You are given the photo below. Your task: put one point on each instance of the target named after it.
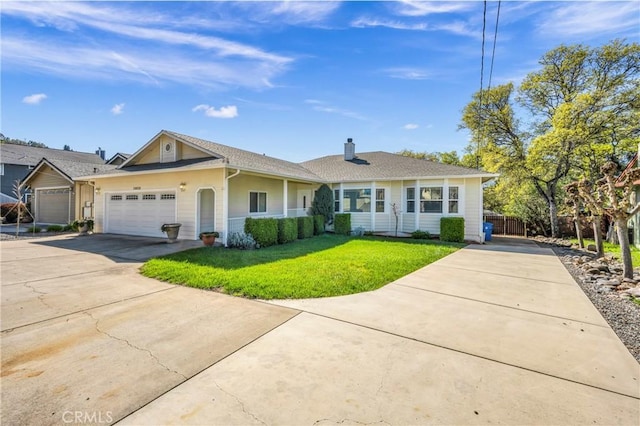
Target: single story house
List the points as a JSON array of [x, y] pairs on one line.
[[209, 186], [17, 161], [58, 196]]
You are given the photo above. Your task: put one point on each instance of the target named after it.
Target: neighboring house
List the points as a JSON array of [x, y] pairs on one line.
[[208, 186], [16, 161], [118, 159], [58, 196]]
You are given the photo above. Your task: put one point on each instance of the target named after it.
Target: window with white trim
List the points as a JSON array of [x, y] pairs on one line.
[[411, 200], [336, 200], [453, 199], [380, 200], [356, 200], [431, 199], [257, 202]]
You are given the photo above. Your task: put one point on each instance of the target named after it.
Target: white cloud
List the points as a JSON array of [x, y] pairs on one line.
[[34, 99], [424, 8], [591, 19], [117, 109], [396, 25], [229, 111], [407, 73], [411, 126], [144, 44], [321, 106], [289, 12]]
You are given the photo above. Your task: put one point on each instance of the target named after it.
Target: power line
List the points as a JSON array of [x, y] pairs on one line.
[[495, 38], [484, 26]]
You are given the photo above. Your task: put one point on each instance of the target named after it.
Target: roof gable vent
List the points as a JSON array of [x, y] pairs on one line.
[[349, 150]]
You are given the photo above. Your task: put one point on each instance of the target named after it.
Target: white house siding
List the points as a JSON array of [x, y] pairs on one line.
[[186, 201], [473, 209]]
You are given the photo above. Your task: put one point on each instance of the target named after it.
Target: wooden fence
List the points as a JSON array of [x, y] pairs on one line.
[[507, 225]]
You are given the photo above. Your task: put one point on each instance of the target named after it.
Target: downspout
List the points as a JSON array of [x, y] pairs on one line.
[[225, 207]]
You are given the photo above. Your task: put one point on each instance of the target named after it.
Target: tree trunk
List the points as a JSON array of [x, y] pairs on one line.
[[553, 216], [625, 250], [597, 235], [579, 232]]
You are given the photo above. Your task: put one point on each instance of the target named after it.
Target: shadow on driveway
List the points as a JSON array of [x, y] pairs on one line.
[[120, 248]]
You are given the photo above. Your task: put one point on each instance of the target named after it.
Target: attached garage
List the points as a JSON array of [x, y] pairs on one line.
[[53, 205], [139, 213]]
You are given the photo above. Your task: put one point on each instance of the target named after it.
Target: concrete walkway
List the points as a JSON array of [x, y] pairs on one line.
[[498, 333], [491, 334]]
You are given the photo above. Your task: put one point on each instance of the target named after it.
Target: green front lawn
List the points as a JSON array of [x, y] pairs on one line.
[[328, 265], [614, 249]]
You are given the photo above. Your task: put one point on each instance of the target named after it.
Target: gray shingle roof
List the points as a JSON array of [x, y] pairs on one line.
[[74, 169], [30, 156], [381, 165], [247, 160]]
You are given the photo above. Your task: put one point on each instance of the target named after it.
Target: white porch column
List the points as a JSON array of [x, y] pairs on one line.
[[373, 206], [417, 204], [445, 197], [285, 197]]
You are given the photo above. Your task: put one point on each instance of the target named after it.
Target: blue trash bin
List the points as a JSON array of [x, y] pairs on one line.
[[487, 227]]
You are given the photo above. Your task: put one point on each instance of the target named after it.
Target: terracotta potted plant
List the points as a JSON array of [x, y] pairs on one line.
[[209, 238], [172, 230]]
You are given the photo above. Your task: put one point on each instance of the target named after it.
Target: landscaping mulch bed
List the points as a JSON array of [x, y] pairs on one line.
[[612, 295]]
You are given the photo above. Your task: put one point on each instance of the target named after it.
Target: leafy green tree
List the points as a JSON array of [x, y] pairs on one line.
[[450, 157], [573, 107], [322, 203]]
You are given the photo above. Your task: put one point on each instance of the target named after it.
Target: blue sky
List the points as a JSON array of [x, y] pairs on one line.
[[290, 79]]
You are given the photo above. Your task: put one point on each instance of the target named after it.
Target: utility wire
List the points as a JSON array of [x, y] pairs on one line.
[[495, 38], [484, 26]]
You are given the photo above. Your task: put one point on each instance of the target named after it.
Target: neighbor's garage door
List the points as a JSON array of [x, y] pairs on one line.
[[140, 213], [53, 205]]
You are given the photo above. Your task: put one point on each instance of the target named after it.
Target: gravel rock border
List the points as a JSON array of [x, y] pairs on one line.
[[612, 295]]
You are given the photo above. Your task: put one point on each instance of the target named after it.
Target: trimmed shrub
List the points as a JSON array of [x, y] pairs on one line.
[[452, 229], [322, 203], [241, 241], [287, 230], [318, 224], [264, 231], [342, 223], [420, 235], [305, 227], [10, 212], [33, 229], [55, 228]]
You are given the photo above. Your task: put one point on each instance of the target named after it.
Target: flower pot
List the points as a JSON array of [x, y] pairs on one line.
[[83, 229], [208, 240], [172, 230]]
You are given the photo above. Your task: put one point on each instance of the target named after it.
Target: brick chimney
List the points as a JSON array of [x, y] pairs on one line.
[[349, 150]]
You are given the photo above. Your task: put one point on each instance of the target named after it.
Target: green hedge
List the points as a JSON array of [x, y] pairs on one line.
[[318, 224], [342, 223], [452, 229], [264, 231], [287, 230], [305, 227]]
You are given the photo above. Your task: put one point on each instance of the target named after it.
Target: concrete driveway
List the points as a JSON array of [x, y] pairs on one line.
[[491, 334]]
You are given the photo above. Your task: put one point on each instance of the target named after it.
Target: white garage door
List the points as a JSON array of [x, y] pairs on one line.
[[53, 205], [140, 213]]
